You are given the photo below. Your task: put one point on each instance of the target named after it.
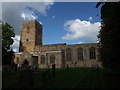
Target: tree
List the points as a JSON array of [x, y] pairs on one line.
[[109, 35], [7, 40]]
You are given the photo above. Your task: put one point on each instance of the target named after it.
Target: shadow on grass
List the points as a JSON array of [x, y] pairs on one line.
[[65, 78]]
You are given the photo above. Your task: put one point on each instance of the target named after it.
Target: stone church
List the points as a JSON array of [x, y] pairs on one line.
[[38, 55]]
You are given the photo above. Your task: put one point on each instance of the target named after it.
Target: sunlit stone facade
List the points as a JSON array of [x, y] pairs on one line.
[[62, 55]]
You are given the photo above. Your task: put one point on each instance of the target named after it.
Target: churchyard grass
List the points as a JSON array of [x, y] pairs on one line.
[[68, 78]]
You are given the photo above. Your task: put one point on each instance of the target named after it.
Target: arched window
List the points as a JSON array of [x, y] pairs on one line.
[[26, 62], [42, 59], [52, 59], [35, 60], [80, 53], [92, 53], [68, 54]]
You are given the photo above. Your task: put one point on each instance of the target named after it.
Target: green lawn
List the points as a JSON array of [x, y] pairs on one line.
[[68, 78]]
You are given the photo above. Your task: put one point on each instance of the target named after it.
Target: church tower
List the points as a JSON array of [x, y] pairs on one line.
[[31, 35]]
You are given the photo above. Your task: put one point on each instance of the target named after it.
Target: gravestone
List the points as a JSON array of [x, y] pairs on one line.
[[93, 68], [48, 73], [15, 67], [67, 66], [53, 70], [97, 67]]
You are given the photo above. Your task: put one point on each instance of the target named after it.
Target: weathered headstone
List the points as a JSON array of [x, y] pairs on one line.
[[48, 73], [97, 67], [93, 68], [67, 66], [53, 70]]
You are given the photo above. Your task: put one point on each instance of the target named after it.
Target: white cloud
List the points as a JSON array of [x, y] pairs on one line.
[[29, 15], [23, 15], [81, 42], [16, 43], [14, 13], [77, 29], [53, 17], [90, 18], [40, 23]]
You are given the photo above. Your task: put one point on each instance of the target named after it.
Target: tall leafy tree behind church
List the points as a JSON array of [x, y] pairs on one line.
[[109, 35], [7, 40]]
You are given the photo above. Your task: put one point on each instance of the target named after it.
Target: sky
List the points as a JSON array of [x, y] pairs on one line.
[[63, 22]]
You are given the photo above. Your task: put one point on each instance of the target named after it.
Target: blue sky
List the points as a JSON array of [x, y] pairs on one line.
[[53, 28], [63, 22]]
